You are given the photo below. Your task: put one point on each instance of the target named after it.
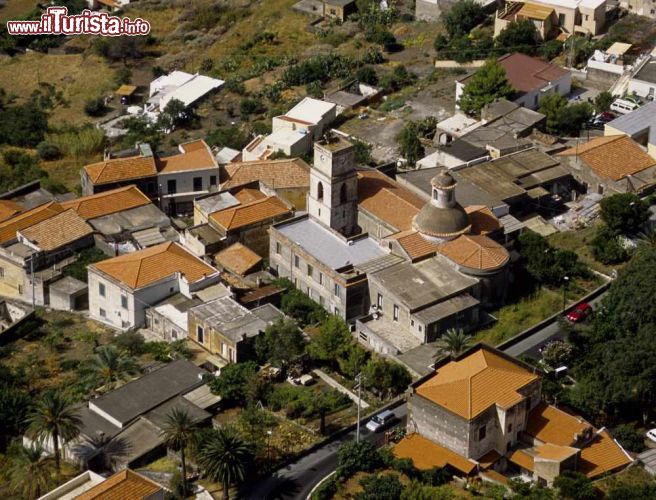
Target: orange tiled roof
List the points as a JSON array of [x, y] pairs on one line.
[[122, 485], [237, 258], [250, 213], [613, 157], [414, 244], [121, 169], [495, 476], [475, 252], [470, 385], [9, 208], [276, 174], [603, 454], [57, 231], [246, 195], [483, 221], [28, 218], [387, 199], [489, 459], [195, 155], [108, 202], [549, 451], [426, 454], [144, 267], [521, 458], [549, 424]]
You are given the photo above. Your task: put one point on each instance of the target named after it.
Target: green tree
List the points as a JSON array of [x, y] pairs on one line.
[[176, 114], [410, 145], [557, 353], [354, 457], [632, 491], [607, 248], [123, 75], [384, 377], [380, 487], [228, 136], [224, 458], [282, 342], [552, 106], [352, 360], [486, 85], [109, 367], [250, 106], [624, 213], [462, 17], [367, 74], [603, 101], [629, 437], [330, 342], [572, 485], [131, 342], [551, 49], [518, 36], [29, 471], [14, 406], [453, 343], [179, 433], [417, 490], [232, 383], [545, 263], [53, 419]]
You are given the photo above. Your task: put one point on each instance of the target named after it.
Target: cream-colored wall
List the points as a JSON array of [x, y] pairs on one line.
[[13, 278]]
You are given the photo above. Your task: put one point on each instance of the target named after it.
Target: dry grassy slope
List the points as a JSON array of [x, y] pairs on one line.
[[16, 8]]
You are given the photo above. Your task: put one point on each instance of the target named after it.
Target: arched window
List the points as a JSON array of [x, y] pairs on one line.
[[342, 194], [320, 191]]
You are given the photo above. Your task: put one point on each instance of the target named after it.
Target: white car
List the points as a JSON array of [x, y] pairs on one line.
[[651, 434], [380, 421]]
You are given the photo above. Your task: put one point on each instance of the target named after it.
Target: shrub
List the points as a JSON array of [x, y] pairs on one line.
[[354, 457], [367, 74], [629, 437], [249, 106], [606, 247], [48, 151], [95, 107]]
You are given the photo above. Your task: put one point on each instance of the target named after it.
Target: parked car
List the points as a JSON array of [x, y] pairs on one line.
[[380, 421], [651, 434], [580, 312]]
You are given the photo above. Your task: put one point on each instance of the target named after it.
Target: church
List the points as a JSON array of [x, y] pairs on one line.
[[400, 268]]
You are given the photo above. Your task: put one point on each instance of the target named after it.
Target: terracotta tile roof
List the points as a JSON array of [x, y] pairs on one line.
[[483, 221], [521, 458], [26, 219], [470, 385], [260, 293], [496, 476], [238, 259], [144, 267], [250, 213], [246, 195], [195, 155], [603, 454], [475, 252], [489, 459], [426, 454], [275, 174], [122, 485], [108, 202], [414, 244], [549, 424], [526, 73], [57, 231], [388, 200], [121, 169], [9, 208], [612, 157], [555, 452]]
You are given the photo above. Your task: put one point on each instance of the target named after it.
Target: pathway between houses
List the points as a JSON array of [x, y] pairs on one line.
[[336, 385]]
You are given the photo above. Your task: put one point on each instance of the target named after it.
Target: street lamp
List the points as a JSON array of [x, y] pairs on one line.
[[358, 379], [566, 281], [269, 432]]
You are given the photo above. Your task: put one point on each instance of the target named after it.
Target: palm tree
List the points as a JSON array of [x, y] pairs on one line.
[[110, 367], [103, 452], [53, 418], [453, 343], [29, 471], [179, 433], [224, 456], [648, 236]]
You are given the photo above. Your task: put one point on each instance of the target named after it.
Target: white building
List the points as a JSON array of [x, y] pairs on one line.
[[184, 87], [311, 115], [286, 141], [121, 288]]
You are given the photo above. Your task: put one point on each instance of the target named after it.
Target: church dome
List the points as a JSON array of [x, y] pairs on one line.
[[442, 218]]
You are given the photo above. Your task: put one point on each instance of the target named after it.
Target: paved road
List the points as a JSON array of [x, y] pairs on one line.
[[297, 479]]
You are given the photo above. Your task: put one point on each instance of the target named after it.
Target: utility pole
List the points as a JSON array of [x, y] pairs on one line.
[[32, 280], [358, 379], [566, 282]]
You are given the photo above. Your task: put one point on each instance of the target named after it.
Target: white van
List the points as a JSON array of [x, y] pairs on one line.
[[623, 106]]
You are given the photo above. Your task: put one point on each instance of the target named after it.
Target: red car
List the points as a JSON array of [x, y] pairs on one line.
[[580, 312]]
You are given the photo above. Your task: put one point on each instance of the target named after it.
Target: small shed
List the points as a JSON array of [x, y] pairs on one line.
[[125, 93], [68, 294], [338, 9], [648, 458]]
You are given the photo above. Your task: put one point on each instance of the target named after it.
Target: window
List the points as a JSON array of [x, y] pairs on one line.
[[321, 300], [200, 334], [310, 270], [212, 180], [509, 427], [363, 336], [171, 186], [150, 187], [320, 191], [336, 311], [419, 328], [342, 194], [102, 312], [2, 272], [321, 278], [561, 19], [482, 433], [124, 301], [198, 183], [379, 300], [20, 289], [395, 316], [336, 290], [278, 247], [101, 289], [412, 322], [296, 261], [174, 334]]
